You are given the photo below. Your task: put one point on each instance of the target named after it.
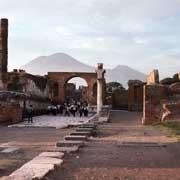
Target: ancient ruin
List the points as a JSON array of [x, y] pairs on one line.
[[20, 89]]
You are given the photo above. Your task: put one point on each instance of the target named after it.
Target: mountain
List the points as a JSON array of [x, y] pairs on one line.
[[55, 63], [123, 73], [61, 62]]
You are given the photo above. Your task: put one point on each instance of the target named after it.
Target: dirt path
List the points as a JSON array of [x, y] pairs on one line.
[[105, 157]]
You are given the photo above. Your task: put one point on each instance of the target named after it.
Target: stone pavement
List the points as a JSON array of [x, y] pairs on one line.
[[123, 149], [53, 121]]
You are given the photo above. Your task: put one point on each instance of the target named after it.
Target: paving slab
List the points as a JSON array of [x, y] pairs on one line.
[[52, 154], [76, 138], [69, 143]]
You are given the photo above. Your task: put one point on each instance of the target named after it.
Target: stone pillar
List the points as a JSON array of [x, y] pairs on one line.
[[3, 51], [100, 79]]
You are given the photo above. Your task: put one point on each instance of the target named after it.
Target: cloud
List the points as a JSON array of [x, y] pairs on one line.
[[130, 32]]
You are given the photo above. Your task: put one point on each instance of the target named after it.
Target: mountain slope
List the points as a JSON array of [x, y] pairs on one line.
[[55, 63], [123, 73], [61, 62]]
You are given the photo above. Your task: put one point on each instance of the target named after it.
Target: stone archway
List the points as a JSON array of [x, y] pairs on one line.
[[61, 78]]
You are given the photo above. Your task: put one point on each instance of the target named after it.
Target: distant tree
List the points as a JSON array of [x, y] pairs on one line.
[[169, 80], [111, 86]]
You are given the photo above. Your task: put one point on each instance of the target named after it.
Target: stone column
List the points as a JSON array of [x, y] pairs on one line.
[[3, 50], [100, 79]]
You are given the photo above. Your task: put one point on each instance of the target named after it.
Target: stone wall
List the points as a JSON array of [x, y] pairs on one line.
[[21, 81], [135, 95], [120, 99], [153, 77], [152, 108], [171, 112], [10, 115]]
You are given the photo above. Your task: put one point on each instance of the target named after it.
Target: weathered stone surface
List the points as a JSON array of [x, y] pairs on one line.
[[153, 77], [88, 126], [45, 160], [10, 150], [171, 112], [68, 149], [69, 143], [60, 78], [81, 133], [76, 138], [52, 154], [152, 110], [84, 129], [36, 169], [135, 95]]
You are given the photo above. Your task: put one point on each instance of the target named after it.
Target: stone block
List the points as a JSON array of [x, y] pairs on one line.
[[69, 143], [68, 149], [153, 77], [75, 138], [81, 133], [84, 129], [10, 150], [52, 154]]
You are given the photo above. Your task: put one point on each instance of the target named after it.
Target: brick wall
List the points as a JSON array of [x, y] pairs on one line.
[[171, 112], [152, 108], [10, 115]]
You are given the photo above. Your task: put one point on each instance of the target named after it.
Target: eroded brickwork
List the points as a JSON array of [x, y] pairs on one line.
[[135, 95], [153, 77], [10, 114]]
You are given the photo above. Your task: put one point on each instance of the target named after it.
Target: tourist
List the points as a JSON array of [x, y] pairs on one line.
[[30, 114], [67, 110], [81, 111], [85, 111]]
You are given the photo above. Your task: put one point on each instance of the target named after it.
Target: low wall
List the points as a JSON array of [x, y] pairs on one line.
[[171, 112], [10, 115]]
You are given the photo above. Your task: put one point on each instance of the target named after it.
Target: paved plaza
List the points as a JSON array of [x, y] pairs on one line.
[[53, 121]]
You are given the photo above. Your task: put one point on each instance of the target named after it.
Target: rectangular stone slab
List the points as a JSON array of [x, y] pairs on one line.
[[69, 143], [76, 138], [88, 126], [52, 154], [81, 133]]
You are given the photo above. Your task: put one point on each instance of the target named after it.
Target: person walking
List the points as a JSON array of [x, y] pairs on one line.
[[30, 114]]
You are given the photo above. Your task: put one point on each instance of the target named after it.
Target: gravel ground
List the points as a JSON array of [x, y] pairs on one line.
[[104, 157]]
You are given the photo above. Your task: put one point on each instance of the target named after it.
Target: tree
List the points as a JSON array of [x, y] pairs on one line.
[[111, 86], [169, 80]]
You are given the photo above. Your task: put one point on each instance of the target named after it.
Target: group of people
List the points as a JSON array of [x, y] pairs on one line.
[[67, 109]]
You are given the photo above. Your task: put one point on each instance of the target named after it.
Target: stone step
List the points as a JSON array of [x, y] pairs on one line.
[[88, 126], [68, 149], [81, 133], [69, 143], [75, 138], [37, 168], [84, 129], [52, 154]]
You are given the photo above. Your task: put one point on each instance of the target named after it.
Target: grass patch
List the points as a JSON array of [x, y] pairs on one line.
[[173, 128]]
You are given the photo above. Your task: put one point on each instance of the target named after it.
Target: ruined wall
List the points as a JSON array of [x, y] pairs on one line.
[[152, 107], [23, 82], [135, 95], [171, 112], [153, 77], [10, 115], [120, 99], [3, 51]]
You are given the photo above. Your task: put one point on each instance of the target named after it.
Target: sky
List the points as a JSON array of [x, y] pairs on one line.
[[143, 34]]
